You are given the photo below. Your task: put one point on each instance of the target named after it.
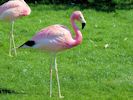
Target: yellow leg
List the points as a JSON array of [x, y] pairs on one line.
[[57, 77], [51, 78], [10, 47], [12, 41], [14, 47]]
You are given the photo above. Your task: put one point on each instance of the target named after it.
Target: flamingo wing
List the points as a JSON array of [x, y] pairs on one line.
[[53, 38]]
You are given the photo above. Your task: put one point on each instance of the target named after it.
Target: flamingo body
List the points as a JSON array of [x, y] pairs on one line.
[[54, 38]]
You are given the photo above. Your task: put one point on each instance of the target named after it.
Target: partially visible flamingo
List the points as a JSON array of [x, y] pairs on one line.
[[10, 11], [57, 38]]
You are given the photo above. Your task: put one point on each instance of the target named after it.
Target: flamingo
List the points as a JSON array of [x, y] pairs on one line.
[[10, 11], [56, 38]]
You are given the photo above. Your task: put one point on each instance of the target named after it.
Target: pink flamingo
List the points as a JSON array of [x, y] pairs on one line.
[[10, 11], [57, 38]]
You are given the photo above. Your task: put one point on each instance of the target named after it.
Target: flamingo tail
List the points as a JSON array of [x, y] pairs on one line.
[[27, 44]]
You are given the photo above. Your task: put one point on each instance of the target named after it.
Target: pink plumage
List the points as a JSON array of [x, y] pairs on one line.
[[14, 9], [57, 38], [10, 11], [53, 38]]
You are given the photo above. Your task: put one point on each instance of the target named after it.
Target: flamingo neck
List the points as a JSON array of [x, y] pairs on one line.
[[78, 37]]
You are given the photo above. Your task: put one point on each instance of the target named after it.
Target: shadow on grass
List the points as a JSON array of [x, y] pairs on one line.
[[7, 91]]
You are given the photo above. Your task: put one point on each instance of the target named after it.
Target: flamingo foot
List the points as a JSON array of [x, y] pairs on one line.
[[50, 95], [60, 96], [10, 55]]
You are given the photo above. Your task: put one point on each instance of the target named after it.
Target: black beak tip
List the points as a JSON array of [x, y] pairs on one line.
[[83, 25]]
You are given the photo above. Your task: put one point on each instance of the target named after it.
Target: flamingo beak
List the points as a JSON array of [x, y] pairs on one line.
[[83, 25], [83, 22]]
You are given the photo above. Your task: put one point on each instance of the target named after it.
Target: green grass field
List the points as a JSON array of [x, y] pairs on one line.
[[87, 72]]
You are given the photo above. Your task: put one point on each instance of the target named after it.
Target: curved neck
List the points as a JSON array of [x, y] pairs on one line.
[[78, 37]]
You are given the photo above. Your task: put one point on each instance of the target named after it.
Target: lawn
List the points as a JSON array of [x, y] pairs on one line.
[[89, 71]]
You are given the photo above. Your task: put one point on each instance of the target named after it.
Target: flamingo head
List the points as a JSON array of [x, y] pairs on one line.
[[77, 15]]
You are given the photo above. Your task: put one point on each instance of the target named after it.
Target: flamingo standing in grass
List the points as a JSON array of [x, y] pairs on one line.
[[57, 38], [10, 11]]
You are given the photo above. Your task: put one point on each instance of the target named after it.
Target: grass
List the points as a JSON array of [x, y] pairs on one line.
[[87, 72]]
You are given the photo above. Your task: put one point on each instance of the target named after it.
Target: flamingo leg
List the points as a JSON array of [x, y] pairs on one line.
[[12, 40], [12, 36], [57, 77], [51, 78], [10, 47]]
